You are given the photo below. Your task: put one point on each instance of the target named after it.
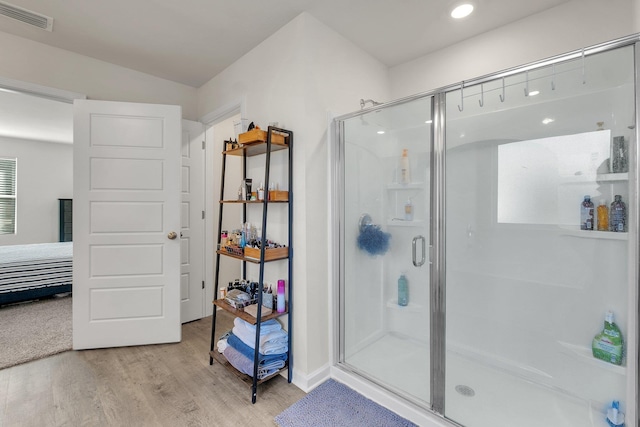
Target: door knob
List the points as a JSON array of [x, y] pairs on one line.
[[172, 235]]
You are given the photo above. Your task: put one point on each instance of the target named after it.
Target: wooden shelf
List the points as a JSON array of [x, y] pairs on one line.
[[246, 316], [253, 260], [256, 149], [245, 378], [249, 202]]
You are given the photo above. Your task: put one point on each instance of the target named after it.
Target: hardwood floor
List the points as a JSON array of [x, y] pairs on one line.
[[157, 385]]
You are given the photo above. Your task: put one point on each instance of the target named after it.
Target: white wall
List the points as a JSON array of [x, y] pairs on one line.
[[306, 71], [34, 62], [45, 174], [570, 26]]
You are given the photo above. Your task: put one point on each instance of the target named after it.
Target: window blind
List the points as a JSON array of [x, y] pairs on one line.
[[7, 196]]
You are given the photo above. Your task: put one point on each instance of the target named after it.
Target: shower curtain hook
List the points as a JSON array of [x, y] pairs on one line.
[[461, 105], [502, 97], [553, 77], [481, 100], [526, 89], [583, 76]]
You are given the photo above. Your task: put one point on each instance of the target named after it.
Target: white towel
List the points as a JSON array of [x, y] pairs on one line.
[[265, 327], [222, 344]]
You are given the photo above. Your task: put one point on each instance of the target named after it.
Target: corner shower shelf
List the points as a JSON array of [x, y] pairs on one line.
[[603, 177], [411, 186], [403, 223], [585, 355], [393, 304], [588, 234]]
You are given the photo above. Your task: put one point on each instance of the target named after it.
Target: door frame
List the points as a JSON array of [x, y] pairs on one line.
[[210, 119]]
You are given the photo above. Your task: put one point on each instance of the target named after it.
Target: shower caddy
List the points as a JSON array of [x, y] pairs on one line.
[[276, 139]]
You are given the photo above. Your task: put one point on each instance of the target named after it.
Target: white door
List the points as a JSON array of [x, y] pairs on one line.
[[192, 289], [126, 275]]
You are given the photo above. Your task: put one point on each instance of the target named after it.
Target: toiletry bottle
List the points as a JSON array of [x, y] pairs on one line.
[[586, 214], [261, 191], [618, 215], [280, 303], [408, 210], [615, 417], [603, 216], [405, 172], [608, 344], [403, 291]]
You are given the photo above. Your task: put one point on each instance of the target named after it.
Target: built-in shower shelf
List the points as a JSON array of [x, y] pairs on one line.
[[604, 177], [403, 223], [585, 355], [411, 186], [409, 307], [588, 234]]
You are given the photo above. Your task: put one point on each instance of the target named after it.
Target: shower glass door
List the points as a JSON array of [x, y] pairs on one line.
[[384, 233], [526, 288]]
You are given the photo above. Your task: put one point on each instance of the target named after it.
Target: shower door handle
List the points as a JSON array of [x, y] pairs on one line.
[[414, 251]]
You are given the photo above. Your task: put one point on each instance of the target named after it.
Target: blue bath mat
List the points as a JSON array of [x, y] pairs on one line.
[[333, 404]]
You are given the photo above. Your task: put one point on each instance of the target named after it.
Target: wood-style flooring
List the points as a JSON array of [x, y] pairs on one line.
[[155, 385]]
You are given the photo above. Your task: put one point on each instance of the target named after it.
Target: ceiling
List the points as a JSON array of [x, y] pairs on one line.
[[190, 42]]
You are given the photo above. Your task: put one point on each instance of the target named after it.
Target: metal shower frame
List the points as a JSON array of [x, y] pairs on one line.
[[437, 249]]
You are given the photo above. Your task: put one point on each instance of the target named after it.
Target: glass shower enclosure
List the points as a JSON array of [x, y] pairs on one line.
[[385, 319], [480, 248]]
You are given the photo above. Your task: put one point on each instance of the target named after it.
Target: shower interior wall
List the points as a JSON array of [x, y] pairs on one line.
[[374, 187], [529, 298]]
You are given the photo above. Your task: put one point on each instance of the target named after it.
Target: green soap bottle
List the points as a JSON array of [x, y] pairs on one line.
[[608, 344]]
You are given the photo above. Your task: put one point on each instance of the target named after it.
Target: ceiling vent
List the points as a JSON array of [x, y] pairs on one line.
[[23, 15]]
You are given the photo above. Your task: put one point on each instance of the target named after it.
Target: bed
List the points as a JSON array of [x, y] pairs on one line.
[[35, 271]]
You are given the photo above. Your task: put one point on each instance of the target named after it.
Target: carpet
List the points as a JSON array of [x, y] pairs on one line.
[[334, 404], [33, 330]]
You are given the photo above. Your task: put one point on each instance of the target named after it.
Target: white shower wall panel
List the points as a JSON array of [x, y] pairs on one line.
[[527, 298], [364, 284]]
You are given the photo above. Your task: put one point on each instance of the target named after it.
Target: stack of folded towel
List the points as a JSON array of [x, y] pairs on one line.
[[238, 347]]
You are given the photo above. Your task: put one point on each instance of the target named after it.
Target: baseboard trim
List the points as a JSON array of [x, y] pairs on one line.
[[308, 382]]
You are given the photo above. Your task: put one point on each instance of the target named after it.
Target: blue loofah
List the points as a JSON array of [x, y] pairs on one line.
[[373, 240]]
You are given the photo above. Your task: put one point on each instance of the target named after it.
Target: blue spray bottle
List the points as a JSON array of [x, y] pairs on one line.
[[403, 291]]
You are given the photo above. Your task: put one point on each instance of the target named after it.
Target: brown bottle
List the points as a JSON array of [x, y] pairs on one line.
[[603, 216]]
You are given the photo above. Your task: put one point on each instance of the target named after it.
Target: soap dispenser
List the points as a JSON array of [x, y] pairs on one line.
[[403, 291]]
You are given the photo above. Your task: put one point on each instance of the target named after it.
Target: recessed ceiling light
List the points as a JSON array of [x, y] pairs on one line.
[[534, 93], [462, 10], [380, 132], [429, 121], [547, 121]]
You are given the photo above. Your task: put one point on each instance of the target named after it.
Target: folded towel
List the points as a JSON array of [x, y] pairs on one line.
[[245, 365], [222, 344], [245, 350], [270, 343], [273, 339], [222, 341], [265, 327]]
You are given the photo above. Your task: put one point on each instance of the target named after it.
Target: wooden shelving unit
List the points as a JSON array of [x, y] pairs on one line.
[[276, 140]]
